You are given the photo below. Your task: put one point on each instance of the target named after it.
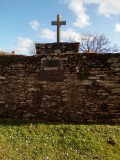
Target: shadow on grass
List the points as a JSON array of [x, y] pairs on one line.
[[27, 122]]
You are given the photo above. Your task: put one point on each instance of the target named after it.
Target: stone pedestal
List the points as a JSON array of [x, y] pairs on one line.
[[57, 48]]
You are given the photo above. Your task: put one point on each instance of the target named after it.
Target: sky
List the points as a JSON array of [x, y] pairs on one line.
[[26, 22]]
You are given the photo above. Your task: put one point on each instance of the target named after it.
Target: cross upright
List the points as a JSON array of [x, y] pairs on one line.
[[58, 23]]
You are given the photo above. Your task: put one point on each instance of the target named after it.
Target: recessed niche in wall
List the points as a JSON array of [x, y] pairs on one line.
[[51, 69]]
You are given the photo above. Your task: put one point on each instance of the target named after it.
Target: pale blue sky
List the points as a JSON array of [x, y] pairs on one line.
[[23, 22]]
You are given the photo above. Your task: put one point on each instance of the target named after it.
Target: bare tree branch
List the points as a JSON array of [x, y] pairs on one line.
[[96, 43]]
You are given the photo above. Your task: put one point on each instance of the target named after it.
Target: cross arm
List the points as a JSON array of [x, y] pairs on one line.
[[56, 23], [63, 23]]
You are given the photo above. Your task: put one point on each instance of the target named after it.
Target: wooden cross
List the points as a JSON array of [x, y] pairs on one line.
[[58, 23]]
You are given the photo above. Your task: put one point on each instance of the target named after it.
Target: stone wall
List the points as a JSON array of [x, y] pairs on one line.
[[89, 91], [57, 48]]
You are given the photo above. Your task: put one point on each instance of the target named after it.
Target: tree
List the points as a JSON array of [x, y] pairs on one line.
[[97, 43]]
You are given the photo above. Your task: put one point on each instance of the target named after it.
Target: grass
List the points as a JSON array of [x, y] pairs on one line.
[[34, 141], [2, 53]]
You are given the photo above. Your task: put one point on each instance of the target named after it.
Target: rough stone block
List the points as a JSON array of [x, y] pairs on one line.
[[2, 78]]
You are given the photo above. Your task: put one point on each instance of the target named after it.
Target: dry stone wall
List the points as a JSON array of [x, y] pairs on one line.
[[88, 93], [57, 48]]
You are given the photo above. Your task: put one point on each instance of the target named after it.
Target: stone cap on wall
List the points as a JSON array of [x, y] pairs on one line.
[[63, 47]]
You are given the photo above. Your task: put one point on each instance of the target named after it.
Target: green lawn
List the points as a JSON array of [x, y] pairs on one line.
[[30, 141]]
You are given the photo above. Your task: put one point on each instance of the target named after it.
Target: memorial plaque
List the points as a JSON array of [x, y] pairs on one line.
[[51, 63], [52, 75], [51, 70]]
